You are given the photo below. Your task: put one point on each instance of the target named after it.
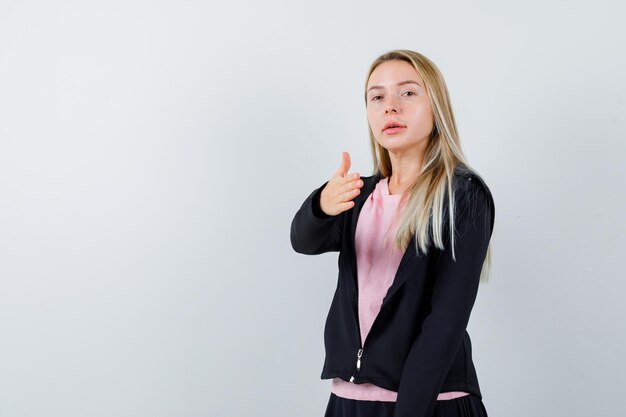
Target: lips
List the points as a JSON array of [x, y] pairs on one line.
[[393, 126]]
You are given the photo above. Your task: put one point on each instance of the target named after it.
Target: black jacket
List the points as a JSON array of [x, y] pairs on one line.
[[418, 344]]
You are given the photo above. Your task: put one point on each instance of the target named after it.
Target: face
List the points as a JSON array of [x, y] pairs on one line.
[[396, 95]]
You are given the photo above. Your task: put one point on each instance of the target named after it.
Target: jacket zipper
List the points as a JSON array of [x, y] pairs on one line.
[[359, 353]]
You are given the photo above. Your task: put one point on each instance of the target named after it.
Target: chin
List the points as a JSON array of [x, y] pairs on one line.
[[393, 144], [394, 148], [401, 148]]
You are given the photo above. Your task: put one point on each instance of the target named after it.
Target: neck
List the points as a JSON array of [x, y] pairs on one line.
[[405, 169]]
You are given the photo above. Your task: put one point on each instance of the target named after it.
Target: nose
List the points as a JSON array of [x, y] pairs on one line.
[[392, 106]]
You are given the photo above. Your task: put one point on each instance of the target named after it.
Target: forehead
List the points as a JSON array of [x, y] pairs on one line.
[[392, 72]]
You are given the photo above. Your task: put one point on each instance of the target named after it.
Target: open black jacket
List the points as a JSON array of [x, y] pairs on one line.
[[418, 344]]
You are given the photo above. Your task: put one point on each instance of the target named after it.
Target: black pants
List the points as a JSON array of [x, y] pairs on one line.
[[466, 406]]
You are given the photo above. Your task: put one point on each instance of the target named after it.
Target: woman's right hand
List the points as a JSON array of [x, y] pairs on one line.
[[341, 189]]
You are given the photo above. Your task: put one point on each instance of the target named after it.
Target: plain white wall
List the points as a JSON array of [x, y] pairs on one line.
[[152, 155]]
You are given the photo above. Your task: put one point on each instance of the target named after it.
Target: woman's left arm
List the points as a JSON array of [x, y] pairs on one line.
[[454, 292]]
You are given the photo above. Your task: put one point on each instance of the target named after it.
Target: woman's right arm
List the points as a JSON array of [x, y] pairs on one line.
[[317, 226], [313, 231]]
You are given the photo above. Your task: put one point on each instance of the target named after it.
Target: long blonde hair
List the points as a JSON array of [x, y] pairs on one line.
[[425, 209]]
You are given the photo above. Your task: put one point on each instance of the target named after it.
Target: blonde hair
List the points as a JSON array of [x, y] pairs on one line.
[[425, 209]]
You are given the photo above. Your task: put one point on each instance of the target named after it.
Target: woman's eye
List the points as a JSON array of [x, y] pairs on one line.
[[375, 98], [410, 92]]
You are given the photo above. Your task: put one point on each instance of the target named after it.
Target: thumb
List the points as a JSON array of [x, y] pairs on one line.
[[345, 165]]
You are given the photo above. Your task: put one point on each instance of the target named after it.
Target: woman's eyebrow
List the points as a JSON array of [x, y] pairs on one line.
[[399, 84]]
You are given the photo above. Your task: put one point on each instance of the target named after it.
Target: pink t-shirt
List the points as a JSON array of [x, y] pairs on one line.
[[377, 263]]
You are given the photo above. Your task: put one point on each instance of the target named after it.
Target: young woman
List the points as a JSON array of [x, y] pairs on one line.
[[418, 232]]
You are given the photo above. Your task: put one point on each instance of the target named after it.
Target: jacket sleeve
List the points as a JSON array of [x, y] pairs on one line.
[[454, 292], [313, 231]]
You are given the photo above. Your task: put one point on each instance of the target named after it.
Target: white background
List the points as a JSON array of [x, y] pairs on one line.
[[153, 154]]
